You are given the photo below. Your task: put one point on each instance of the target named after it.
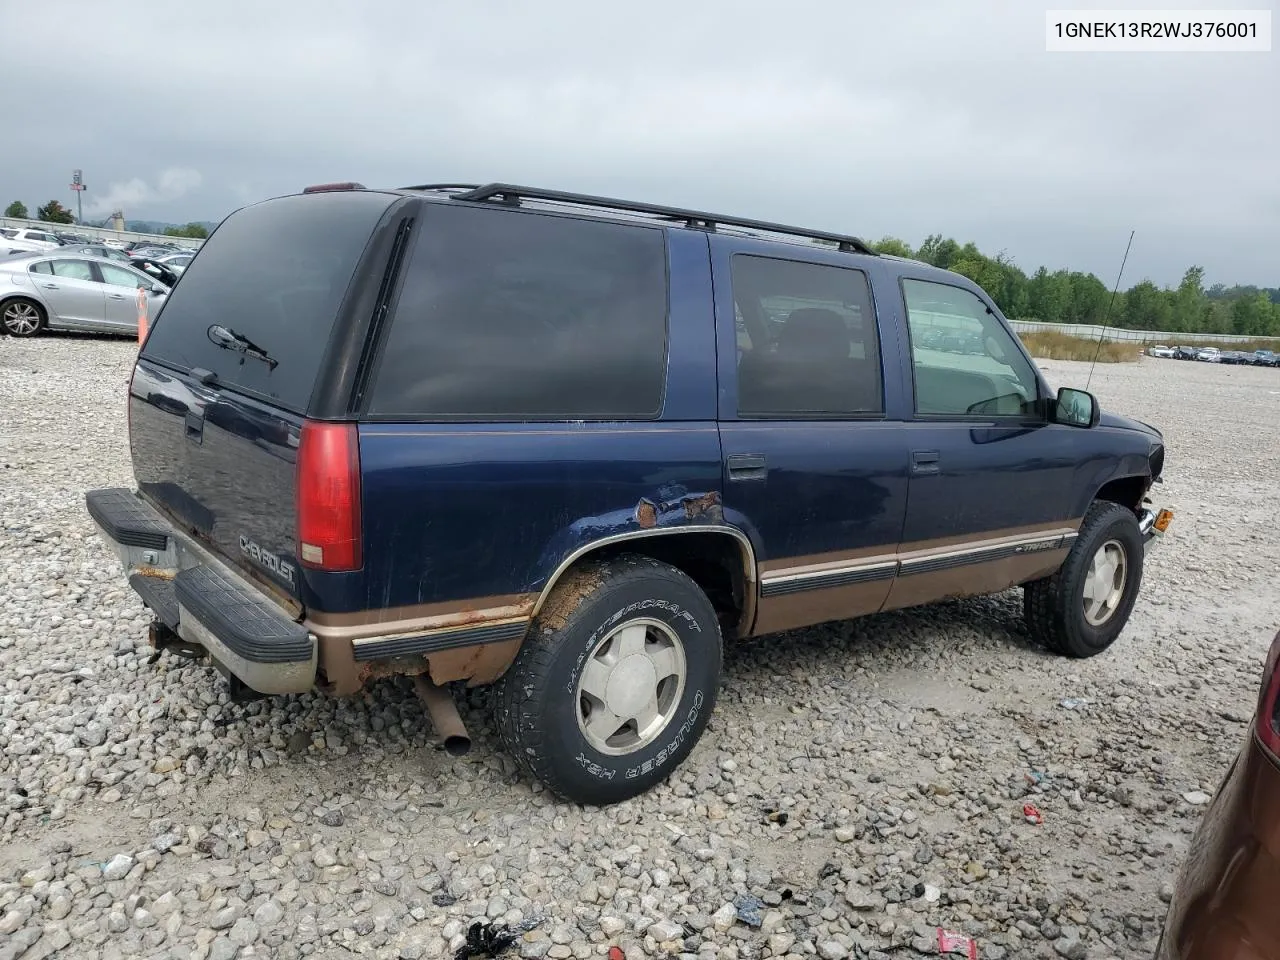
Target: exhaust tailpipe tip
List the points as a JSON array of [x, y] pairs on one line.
[[450, 730], [457, 746]]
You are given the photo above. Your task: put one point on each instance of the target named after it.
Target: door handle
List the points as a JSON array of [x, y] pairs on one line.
[[49, 286], [116, 296], [747, 466], [924, 463]]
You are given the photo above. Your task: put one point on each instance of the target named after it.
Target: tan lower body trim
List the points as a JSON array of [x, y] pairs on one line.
[[419, 618], [834, 586], [794, 610], [973, 579], [473, 640]]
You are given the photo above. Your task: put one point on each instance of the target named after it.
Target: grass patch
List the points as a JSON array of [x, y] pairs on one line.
[[1051, 345]]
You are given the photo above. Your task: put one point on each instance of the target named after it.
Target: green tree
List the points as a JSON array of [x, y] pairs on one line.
[[192, 231], [984, 272], [893, 247], [1049, 295], [1088, 298], [939, 252], [17, 210], [1252, 315], [1189, 301], [54, 212], [1147, 307]]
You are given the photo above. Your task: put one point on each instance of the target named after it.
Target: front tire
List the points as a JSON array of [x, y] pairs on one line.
[[22, 318], [615, 683], [1081, 610]]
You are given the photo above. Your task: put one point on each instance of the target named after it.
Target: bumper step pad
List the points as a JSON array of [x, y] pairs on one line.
[[126, 519], [249, 624], [158, 594]]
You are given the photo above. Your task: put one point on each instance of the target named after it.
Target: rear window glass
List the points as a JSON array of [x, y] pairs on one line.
[[275, 275], [510, 315]]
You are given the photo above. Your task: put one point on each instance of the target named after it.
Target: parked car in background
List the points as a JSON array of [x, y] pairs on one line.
[[60, 291], [44, 238], [155, 269], [1224, 903], [97, 250], [346, 466], [1265, 358], [177, 262], [16, 240], [67, 239], [1160, 350], [1234, 357], [151, 248], [1209, 354], [1186, 353]]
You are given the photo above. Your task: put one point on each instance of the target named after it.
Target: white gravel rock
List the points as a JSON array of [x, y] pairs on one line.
[[142, 813]]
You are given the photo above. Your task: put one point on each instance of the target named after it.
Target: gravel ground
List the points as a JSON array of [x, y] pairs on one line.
[[864, 781]]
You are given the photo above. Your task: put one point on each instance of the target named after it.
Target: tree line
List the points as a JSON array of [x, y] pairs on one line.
[[1063, 296], [1069, 296]]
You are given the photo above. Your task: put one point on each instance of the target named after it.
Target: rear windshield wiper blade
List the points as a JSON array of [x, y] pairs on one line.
[[228, 339]]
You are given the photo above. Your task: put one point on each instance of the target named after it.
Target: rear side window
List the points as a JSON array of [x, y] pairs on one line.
[[73, 270], [807, 340], [274, 275], [511, 315]]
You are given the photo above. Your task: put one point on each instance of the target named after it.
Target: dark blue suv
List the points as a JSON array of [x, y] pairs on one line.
[[573, 445]]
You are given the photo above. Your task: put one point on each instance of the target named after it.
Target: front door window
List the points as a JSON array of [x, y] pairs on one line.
[[966, 363]]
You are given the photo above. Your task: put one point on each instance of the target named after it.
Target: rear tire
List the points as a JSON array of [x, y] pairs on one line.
[[1080, 610], [615, 682], [22, 318]]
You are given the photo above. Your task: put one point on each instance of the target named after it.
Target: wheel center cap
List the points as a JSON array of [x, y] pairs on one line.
[[631, 683]]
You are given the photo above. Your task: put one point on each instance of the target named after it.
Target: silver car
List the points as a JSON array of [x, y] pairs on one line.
[[177, 262], [71, 291]]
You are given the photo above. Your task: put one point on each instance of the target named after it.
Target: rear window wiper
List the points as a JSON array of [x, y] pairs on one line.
[[228, 339]]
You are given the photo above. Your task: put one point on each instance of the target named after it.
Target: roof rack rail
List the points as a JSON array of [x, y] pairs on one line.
[[512, 194], [443, 186]]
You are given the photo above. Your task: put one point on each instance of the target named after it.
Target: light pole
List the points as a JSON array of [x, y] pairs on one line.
[[77, 184]]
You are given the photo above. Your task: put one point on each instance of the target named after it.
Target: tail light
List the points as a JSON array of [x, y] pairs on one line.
[[328, 500], [1266, 720]]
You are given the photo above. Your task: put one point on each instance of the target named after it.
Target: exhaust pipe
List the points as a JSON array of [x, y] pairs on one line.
[[444, 716]]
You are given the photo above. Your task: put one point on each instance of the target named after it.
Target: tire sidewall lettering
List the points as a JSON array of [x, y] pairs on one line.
[[675, 737]]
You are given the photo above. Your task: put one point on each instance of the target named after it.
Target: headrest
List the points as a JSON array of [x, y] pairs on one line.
[[814, 332]]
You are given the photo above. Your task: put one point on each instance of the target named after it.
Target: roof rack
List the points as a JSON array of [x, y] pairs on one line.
[[512, 194], [443, 186]]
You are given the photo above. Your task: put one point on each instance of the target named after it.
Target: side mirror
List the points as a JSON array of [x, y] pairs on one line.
[[157, 289], [1076, 408]]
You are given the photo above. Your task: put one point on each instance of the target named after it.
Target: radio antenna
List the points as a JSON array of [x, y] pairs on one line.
[[1106, 317]]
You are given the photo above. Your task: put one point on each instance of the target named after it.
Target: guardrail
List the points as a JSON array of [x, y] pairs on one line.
[[1092, 332], [98, 233]]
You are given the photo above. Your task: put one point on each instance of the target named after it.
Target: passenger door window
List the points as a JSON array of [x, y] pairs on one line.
[[119, 277], [808, 343], [966, 363]]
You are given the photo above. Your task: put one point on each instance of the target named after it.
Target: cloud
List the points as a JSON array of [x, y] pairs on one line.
[[904, 119], [173, 183]]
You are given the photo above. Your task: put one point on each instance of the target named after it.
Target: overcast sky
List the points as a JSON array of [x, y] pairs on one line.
[[869, 118]]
